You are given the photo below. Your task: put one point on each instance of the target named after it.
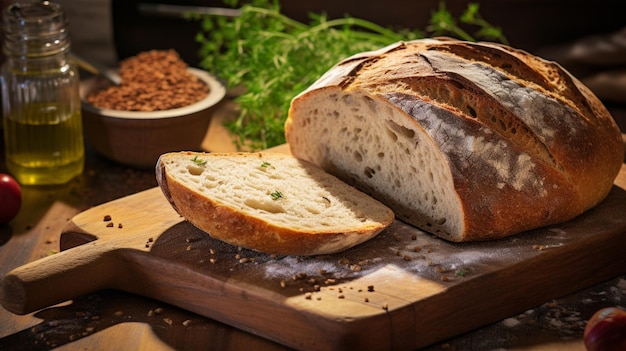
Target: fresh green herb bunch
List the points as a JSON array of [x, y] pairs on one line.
[[273, 57]]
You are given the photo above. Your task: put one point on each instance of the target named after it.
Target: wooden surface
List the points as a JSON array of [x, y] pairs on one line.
[[425, 290]]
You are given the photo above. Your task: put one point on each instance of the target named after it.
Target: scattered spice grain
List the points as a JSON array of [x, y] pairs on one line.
[[355, 267]]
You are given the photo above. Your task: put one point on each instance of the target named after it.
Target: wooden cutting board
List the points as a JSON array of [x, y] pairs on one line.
[[403, 289]]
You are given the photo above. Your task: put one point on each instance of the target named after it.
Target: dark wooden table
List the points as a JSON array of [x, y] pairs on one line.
[[114, 320]]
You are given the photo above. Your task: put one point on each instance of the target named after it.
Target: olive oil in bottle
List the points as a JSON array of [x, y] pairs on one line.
[[40, 99], [44, 148]]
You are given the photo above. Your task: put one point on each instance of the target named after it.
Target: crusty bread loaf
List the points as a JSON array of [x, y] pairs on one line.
[[469, 141], [269, 202]]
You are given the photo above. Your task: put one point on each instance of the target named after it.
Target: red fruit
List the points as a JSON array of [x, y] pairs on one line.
[[606, 330], [10, 198]]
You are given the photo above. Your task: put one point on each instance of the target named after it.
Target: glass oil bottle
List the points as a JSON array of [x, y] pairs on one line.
[[40, 96]]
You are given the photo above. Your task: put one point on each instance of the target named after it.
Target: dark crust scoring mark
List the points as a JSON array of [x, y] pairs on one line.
[[495, 57], [509, 61], [365, 60], [349, 78]]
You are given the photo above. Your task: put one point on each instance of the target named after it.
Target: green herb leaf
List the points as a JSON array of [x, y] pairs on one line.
[[198, 161], [463, 272], [486, 30], [276, 195], [443, 23]]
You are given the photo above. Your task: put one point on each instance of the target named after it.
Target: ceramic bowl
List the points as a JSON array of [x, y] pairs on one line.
[[137, 138]]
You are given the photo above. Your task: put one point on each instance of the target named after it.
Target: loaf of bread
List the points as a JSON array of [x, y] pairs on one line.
[[269, 202], [469, 141]]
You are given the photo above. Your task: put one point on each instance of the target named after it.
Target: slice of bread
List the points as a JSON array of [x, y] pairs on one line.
[[269, 202]]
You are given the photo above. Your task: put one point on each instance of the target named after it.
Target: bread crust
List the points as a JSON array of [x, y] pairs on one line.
[[224, 222], [520, 107]]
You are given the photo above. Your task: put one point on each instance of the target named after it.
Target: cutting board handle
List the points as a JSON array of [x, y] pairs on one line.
[[59, 277]]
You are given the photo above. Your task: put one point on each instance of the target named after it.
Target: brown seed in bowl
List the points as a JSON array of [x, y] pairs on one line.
[[151, 81]]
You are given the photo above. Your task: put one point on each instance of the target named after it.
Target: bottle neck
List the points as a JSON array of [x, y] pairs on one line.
[[35, 31], [37, 63]]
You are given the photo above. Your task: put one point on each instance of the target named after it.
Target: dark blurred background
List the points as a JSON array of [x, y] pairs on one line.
[[528, 24], [586, 37]]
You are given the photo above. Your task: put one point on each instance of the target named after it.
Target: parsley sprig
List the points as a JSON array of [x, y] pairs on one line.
[[443, 23], [273, 57], [198, 161], [276, 195]]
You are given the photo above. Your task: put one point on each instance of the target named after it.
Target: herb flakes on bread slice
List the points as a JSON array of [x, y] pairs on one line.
[[269, 202]]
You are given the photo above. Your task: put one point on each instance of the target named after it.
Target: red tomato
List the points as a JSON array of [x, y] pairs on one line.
[[10, 198], [606, 330]]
